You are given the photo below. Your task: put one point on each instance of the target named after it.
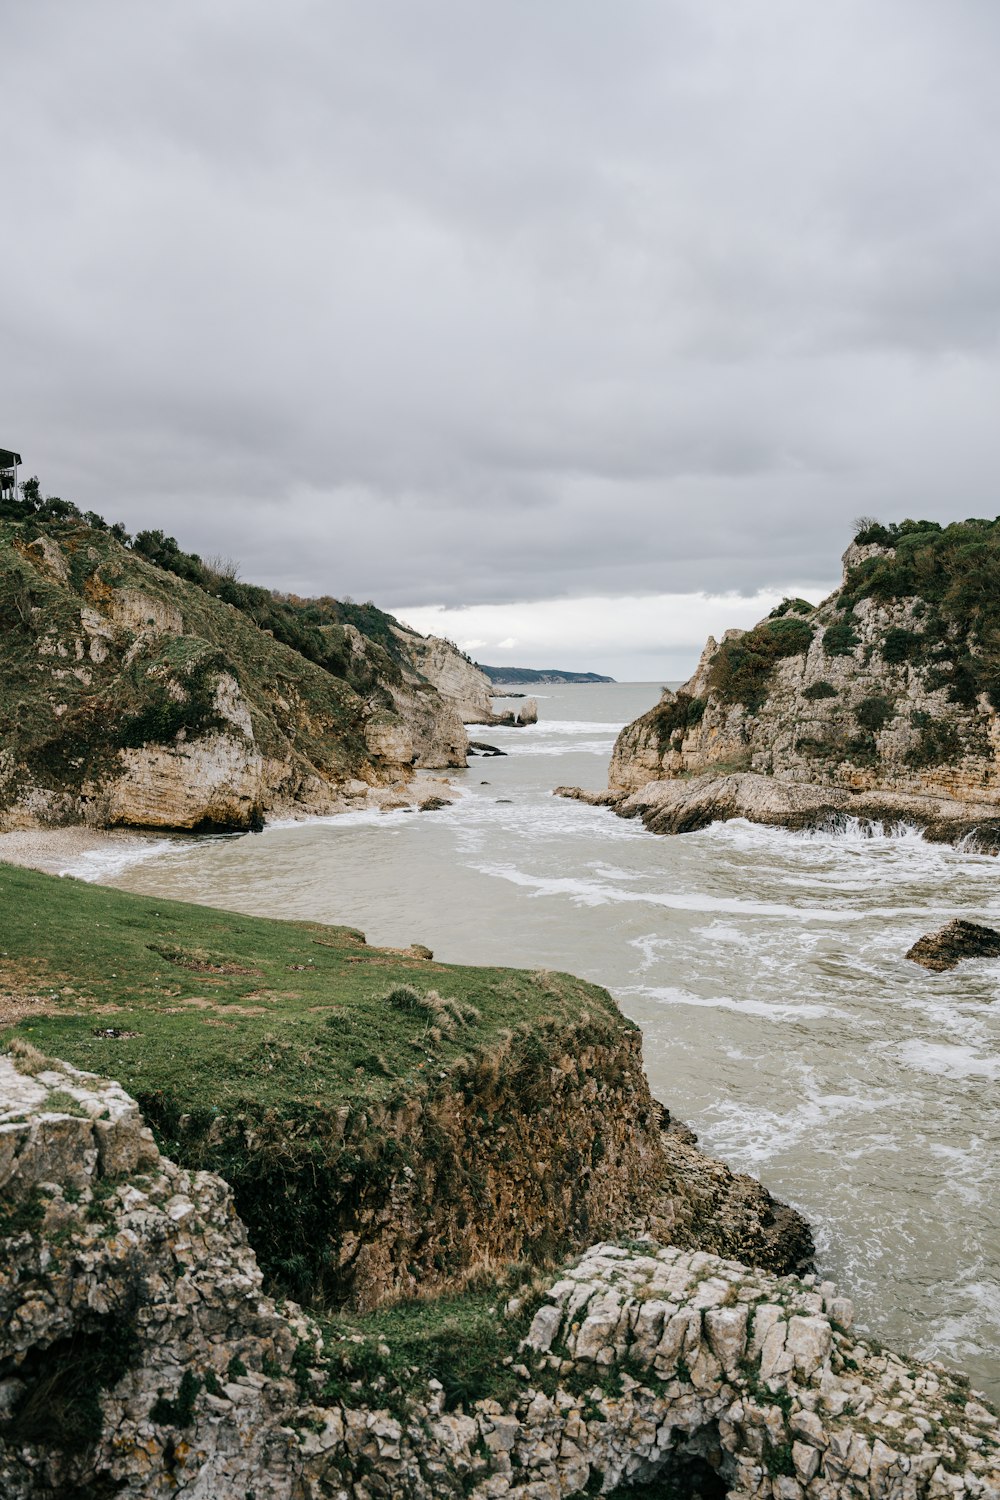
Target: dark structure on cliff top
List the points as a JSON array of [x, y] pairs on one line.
[[9, 464]]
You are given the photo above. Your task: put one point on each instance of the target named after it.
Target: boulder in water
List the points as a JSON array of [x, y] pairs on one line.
[[953, 943], [528, 712]]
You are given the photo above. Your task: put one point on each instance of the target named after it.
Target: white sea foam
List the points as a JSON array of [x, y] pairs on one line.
[[113, 859], [763, 1009], [946, 1060]]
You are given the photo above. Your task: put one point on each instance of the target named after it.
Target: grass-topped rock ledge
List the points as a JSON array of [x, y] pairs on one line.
[[140, 1357], [388, 1124], [882, 702]]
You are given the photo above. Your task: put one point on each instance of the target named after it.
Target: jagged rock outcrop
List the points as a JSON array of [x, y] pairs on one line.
[[701, 1204], [881, 702], [139, 1358], [134, 696], [954, 943]]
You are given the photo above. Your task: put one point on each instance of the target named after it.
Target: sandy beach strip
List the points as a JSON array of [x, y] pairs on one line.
[[65, 851]]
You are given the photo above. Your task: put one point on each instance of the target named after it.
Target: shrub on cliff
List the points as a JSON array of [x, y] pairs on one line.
[[874, 713], [839, 639], [791, 607], [955, 571], [680, 713], [741, 668], [902, 645]]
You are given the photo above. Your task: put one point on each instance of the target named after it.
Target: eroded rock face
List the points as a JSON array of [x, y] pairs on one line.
[[862, 709], [459, 682], [685, 805], [953, 943], [139, 1357]]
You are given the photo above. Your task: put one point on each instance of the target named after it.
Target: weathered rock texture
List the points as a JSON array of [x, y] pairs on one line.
[[701, 1204], [139, 1358], [132, 696], [873, 704], [459, 681], [534, 1147], [954, 942]]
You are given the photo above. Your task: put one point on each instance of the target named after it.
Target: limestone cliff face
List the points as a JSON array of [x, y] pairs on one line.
[[458, 681], [132, 696], [140, 1358], [877, 701]]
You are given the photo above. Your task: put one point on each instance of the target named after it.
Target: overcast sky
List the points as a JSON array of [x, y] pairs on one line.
[[530, 319]]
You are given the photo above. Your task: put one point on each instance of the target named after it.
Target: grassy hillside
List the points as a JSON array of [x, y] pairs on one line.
[[108, 648], [229, 1012]]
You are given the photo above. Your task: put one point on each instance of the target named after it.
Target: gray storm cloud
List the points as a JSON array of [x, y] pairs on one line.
[[448, 303]]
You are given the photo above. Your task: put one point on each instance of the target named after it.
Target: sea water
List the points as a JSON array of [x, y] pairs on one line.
[[765, 968]]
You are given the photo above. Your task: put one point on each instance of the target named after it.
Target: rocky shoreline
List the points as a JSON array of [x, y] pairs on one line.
[[139, 1357], [684, 805]]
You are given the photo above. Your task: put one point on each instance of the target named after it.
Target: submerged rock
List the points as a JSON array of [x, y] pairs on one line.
[[954, 942]]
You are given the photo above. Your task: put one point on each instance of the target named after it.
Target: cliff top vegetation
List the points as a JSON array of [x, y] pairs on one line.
[[315, 1074], [312, 627], [954, 573], [216, 1011]]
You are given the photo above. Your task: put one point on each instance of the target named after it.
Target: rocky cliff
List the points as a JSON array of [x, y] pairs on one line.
[[139, 1357], [459, 681], [142, 688], [880, 702]]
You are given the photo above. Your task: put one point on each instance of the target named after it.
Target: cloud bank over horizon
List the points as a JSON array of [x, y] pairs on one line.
[[644, 639], [455, 306]]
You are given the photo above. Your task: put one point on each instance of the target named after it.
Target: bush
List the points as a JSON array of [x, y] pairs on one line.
[[839, 639], [874, 712], [902, 645], [791, 606], [817, 690], [678, 714], [741, 668], [939, 741]]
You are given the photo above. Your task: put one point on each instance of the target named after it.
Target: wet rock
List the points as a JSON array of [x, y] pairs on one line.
[[479, 747], [954, 942]]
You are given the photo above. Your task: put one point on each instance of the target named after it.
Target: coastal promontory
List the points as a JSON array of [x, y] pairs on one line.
[[882, 702]]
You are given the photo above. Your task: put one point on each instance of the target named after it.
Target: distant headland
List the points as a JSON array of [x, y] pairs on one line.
[[543, 674]]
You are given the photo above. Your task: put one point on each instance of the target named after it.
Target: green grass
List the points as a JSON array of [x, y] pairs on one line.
[[279, 1054], [462, 1341], [245, 1012]]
